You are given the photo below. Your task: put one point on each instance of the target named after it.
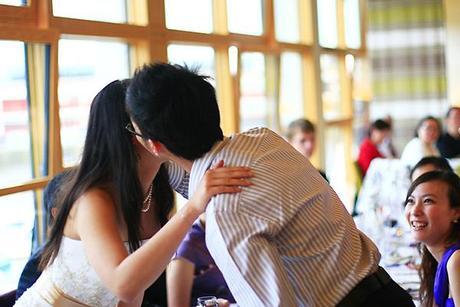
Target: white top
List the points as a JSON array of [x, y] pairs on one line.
[[73, 275], [415, 150], [287, 240]]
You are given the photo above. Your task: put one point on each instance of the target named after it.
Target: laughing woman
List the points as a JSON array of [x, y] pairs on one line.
[[111, 238], [433, 213]]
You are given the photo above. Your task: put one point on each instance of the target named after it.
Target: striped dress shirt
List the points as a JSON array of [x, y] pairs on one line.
[[287, 240]]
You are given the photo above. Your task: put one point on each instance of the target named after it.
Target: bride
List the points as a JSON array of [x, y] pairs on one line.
[[111, 238]]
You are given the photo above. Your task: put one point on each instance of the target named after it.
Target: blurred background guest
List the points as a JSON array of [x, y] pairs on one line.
[[386, 147], [424, 142], [449, 142], [378, 132], [301, 135], [428, 164], [193, 273]]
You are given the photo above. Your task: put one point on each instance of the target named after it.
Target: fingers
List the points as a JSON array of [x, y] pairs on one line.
[[223, 302], [235, 177], [242, 172], [228, 182], [218, 164], [224, 189]]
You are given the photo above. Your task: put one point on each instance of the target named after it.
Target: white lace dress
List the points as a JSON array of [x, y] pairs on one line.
[[72, 274]]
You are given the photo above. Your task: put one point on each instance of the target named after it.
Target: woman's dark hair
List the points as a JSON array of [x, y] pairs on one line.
[[302, 125], [427, 118], [439, 163], [429, 264], [109, 162], [175, 106]]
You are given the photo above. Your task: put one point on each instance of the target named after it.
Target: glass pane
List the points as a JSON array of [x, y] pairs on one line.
[[291, 102], [17, 215], [330, 84], [189, 15], [352, 24], [287, 20], [335, 162], [254, 110], [327, 23], [92, 10], [15, 150], [14, 2], [200, 57], [85, 67], [247, 20]]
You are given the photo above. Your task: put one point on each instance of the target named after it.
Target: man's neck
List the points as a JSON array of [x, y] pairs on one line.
[[183, 163], [453, 133]]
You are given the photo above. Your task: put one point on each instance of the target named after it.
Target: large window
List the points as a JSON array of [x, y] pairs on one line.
[[201, 10], [327, 23], [16, 224], [287, 20], [15, 146], [330, 81], [13, 2], [254, 105], [85, 67], [23, 155], [352, 24], [245, 16], [291, 98], [264, 59], [200, 58], [92, 10]]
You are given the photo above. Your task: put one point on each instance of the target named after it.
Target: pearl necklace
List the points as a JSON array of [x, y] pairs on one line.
[[147, 200]]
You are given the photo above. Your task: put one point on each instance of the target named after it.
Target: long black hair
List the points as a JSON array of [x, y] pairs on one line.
[[429, 264], [109, 162]]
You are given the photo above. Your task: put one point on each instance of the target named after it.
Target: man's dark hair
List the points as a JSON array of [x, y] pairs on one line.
[[175, 106], [450, 110]]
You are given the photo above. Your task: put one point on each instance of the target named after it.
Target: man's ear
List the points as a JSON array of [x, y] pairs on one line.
[[155, 147]]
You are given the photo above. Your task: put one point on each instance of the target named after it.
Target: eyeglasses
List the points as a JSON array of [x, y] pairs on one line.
[[131, 130]]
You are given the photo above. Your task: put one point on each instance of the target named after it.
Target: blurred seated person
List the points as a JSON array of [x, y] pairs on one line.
[[428, 164], [301, 135], [449, 142], [424, 142], [386, 148], [193, 273], [31, 271], [379, 131]]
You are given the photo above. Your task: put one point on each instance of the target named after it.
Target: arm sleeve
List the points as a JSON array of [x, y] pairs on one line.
[[367, 153], [178, 178], [248, 259]]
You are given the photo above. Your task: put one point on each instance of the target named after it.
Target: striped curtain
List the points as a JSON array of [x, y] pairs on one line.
[[406, 49]]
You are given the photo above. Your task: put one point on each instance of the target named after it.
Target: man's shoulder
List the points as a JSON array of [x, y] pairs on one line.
[[447, 138], [257, 131]]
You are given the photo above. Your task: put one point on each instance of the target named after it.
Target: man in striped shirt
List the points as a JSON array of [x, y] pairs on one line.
[[287, 240]]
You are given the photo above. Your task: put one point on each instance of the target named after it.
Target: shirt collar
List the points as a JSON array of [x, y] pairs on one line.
[[201, 165]]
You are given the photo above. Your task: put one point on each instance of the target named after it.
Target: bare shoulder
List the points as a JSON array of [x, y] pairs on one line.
[[91, 207], [95, 201], [453, 264]]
